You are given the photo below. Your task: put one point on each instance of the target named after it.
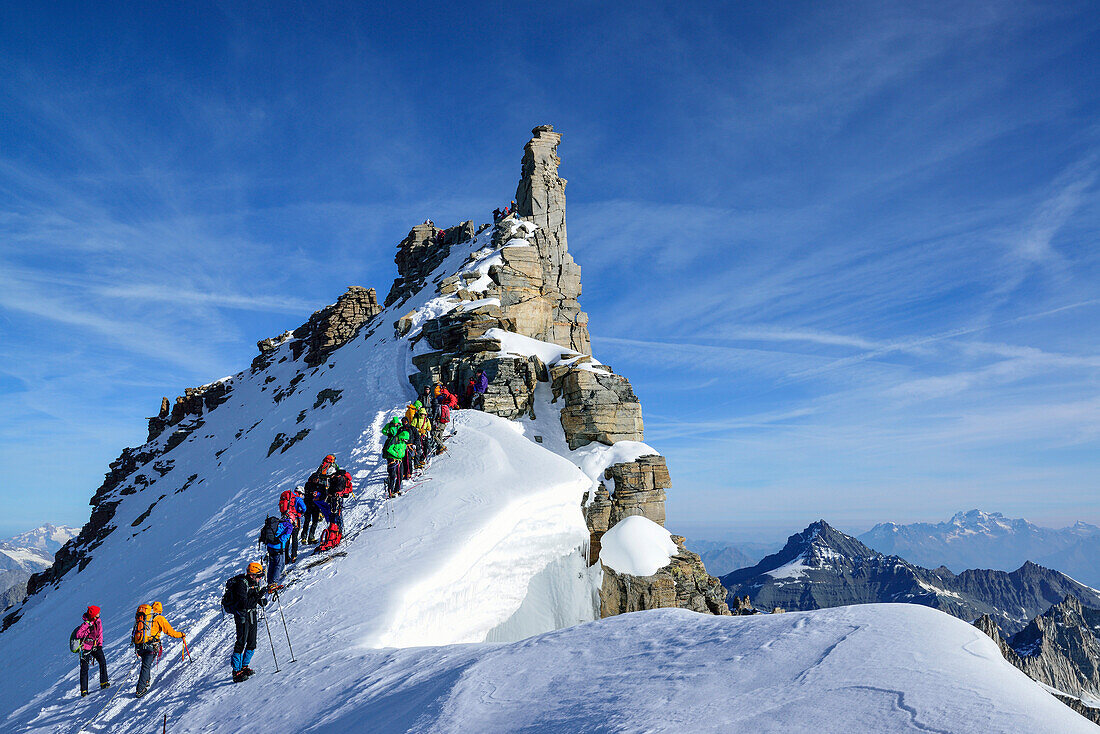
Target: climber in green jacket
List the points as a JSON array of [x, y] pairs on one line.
[[394, 451], [391, 428]]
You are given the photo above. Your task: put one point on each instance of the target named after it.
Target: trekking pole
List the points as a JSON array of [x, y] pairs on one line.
[[186, 652], [285, 629], [270, 639]]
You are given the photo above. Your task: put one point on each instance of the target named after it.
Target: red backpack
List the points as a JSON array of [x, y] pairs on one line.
[[288, 503], [444, 413]]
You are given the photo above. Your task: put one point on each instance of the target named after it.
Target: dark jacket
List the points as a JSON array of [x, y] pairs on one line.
[[317, 482], [481, 383], [245, 594], [339, 487]]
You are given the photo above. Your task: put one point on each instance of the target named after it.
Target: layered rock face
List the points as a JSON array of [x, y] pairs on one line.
[[540, 199], [598, 407], [639, 489]]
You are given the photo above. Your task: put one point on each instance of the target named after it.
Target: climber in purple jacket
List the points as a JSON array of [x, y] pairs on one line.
[[481, 384]]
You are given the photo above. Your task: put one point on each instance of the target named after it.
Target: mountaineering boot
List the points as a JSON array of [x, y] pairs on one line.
[[83, 694], [239, 676], [248, 672], [312, 539], [105, 685], [141, 692]]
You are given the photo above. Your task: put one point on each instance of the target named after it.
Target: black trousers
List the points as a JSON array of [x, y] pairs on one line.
[[96, 653], [309, 525], [292, 543], [393, 471], [248, 622]]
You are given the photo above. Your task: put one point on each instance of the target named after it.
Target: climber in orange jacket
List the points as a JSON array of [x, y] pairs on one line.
[[148, 624]]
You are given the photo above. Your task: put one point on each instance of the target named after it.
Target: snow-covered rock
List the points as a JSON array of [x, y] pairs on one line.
[[637, 546]]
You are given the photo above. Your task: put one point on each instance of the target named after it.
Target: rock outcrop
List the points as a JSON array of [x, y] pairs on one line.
[[540, 199], [192, 403], [639, 489], [684, 583], [1059, 648], [334, 326], [598, 407], [421, 252]]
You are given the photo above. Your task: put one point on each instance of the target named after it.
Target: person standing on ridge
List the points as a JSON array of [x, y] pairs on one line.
[[424, 427], [411, 410], [467, 397], [91, 648], [394, 451], [293, 507], [339, 487], [276, 536], [148, 624], [244, 593], [405, 436], [481, 386], [317, 484]]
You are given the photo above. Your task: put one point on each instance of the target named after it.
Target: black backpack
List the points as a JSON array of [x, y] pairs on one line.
[[227, 597], [270, 533]]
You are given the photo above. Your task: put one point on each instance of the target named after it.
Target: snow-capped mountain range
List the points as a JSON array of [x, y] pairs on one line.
[[473, 601], [28, 553], [822, 567], [977, 539]]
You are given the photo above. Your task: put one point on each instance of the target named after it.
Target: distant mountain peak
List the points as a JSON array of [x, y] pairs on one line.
[[822, 567]]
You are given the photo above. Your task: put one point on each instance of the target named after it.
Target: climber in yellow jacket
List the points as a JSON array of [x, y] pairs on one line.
[[148, 624], [423, 426]]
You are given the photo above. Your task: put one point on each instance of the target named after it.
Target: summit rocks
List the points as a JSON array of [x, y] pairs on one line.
[[526, 283]]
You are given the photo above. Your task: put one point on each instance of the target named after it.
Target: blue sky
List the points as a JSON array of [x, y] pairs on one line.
[[847, 254]]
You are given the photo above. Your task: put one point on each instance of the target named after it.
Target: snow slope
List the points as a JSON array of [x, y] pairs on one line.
[[492, 546], [869, 668]]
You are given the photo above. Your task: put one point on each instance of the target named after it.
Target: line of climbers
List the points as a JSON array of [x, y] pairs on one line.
[[499, 214], [410, 440]]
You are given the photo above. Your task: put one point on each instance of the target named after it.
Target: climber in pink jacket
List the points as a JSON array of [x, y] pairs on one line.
[[91, 635]]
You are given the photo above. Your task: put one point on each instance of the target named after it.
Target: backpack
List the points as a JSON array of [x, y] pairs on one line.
[[270, 534], [286, 502], [76, 644], [444, 413], [143, 627], [227, 597]]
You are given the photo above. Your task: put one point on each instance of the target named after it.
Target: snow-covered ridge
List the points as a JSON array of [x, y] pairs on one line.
[[491, 545]]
